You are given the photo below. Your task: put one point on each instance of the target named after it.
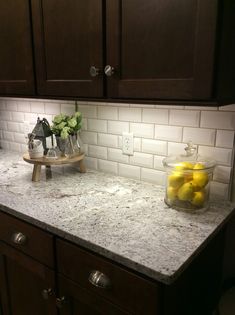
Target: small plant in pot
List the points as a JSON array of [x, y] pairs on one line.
[[66, 129]]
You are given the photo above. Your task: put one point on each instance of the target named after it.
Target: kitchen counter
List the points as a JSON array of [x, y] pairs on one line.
[[122, 219]]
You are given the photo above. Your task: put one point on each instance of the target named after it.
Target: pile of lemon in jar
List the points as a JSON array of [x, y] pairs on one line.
[[187, 186]]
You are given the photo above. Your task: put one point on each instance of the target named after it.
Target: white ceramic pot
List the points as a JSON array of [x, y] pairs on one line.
[[37, 151]]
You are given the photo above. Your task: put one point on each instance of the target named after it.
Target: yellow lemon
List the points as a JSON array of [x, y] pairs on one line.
[[171, 193], [184, 166], [195, 186], [198, 166], [198, 198], [185, 192], [176, 179], [200, 178]]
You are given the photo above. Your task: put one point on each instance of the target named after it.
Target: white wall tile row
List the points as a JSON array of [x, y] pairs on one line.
[[159, 131]]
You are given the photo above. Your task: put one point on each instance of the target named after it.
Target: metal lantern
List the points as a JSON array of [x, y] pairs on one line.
[[42, 130]]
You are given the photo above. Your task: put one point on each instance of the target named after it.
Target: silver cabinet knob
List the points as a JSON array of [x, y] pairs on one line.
[[99, 279], [46, 293], [94, 72], [19, 238], [60, 302], [109, 70]]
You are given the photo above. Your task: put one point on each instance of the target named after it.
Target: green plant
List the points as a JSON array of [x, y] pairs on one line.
[[64, 125]]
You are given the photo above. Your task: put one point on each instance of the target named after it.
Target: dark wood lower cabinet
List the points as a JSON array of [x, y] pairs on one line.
[[75, 300], [22, 281]]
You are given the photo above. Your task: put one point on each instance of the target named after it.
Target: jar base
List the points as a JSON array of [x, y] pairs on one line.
[[185, 206]]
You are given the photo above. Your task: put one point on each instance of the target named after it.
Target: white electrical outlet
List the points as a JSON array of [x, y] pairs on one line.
[[127, 143]]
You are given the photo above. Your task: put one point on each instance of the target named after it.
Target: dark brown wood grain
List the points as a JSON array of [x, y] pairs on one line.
[[68, 40], [16, 58], [129, 291], [39, 244]]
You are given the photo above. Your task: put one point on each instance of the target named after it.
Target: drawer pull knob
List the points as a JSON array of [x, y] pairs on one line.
[[100, 280], [94, 72], [60, 302], [19, 238], [46, 293], [109, 70]]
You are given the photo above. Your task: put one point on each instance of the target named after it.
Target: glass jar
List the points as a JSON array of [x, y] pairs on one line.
[[188, 180]]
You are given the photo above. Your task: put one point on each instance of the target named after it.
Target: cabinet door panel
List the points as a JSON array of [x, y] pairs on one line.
[[68, 41], [22, 283], [16, 61], [161, 48], [79, 301]]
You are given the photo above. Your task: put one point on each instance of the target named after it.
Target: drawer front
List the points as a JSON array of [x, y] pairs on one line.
[[27, 238], [121, 287]]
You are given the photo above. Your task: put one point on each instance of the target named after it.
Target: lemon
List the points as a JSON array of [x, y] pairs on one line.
[[198, 198], [176, 179], [195, 186], [171, 193], [198, 166], [200, 179], [185, 192], [184, 166]]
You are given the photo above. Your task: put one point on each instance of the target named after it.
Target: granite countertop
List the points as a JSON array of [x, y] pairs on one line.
[[122, 219]]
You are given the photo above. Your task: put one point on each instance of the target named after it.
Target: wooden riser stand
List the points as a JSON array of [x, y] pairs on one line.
[[38, 162]]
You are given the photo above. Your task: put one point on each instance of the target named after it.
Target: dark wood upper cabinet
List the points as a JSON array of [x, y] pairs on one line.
[[68, 39], [16, 58], [156, 50], [161, 49]]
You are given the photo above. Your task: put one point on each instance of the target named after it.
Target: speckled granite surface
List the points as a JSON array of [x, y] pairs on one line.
[[124, 220]]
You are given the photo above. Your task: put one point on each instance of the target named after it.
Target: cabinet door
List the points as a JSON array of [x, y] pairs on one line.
[[22, 281], [16, 61], [68, 42], [75, 300], [161, 49]]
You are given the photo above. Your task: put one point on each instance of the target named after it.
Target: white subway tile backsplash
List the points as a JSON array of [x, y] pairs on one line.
[[97, 125], [68, 109], [129, 171], [97, 152], [168, 133], [218, 120], [176, 148], [153, 176], [228, 108], [130, 114], [7, 135], [159, 130], [142, 159], [224, 138], [222, 174], [89, 137], [158, 162], [13, 126], [11, 105], [91, 163], [117, 155], [184, 118], [219, 190], [20, 138], [154, 146], [199, 135], [4, 115], [107, 140], [17, 116], [142, 130], [52, 108], [88, 111], [221, 155], [23, 106], [37, 107], [137, 144], [118, 127], [108, 166], [106, 112], [156, 116]]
